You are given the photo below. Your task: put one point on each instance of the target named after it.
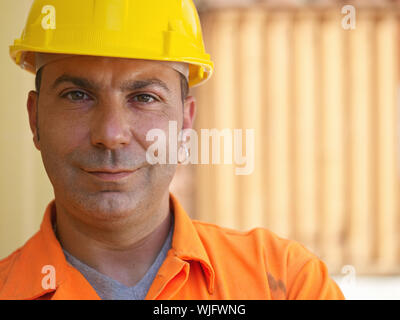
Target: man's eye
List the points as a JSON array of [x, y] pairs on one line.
[[77, 96], [144, 98]]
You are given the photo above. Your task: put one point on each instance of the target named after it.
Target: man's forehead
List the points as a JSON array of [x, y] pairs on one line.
[[43, 59]]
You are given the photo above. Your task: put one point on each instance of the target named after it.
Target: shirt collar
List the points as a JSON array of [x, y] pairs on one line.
[[187, 244], [43, 249]]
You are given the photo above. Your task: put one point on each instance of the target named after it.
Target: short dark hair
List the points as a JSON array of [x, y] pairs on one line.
[[184, 86], [38, 79], [184, 83]]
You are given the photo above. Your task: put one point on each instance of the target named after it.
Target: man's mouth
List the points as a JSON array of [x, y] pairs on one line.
[[110, 175]]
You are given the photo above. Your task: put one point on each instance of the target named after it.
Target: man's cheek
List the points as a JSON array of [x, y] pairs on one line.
[[67, 134]]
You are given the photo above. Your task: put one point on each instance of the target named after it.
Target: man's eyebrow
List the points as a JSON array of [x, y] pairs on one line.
[[78, 81], [129, 85]]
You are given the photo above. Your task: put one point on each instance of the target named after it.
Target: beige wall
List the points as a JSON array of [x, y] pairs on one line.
[[24, 187]]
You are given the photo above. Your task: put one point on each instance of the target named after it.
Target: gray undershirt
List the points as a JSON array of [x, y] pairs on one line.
[[110, 289]]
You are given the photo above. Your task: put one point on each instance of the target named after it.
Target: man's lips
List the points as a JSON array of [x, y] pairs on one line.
[[111, 175]]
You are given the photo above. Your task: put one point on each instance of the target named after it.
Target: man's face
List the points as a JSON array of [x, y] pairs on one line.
[[93, 116]]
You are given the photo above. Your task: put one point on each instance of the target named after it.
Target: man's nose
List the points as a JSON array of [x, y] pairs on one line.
[[110, 127]]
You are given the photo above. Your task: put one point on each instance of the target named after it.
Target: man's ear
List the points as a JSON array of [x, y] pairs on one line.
[[189, 112], [33, 105]]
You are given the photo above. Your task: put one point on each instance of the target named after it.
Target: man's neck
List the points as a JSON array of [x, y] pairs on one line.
[[125, 253]]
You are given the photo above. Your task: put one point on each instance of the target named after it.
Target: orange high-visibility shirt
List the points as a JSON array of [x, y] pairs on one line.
[[205, 262]]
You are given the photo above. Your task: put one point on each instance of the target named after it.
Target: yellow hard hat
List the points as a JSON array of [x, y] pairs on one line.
[[164, 30]]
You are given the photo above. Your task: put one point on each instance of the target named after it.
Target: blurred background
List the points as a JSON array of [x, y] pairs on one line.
[[323, 100]]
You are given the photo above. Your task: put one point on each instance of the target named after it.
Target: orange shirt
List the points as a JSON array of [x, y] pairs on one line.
[[205, 262]]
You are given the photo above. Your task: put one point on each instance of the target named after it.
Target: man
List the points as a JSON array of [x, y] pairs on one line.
[[106, 74]]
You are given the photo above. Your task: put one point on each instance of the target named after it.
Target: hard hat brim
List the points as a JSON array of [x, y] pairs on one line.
[[199, 71]]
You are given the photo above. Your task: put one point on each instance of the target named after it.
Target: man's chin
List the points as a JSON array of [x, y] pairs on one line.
[[108, 205]]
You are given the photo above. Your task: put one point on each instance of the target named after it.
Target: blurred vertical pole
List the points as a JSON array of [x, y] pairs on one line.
[[225, 111], [252, 115], [361, 149], [304, 127], [332, 203], [277, 105], [205, 191], [388, 157]]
